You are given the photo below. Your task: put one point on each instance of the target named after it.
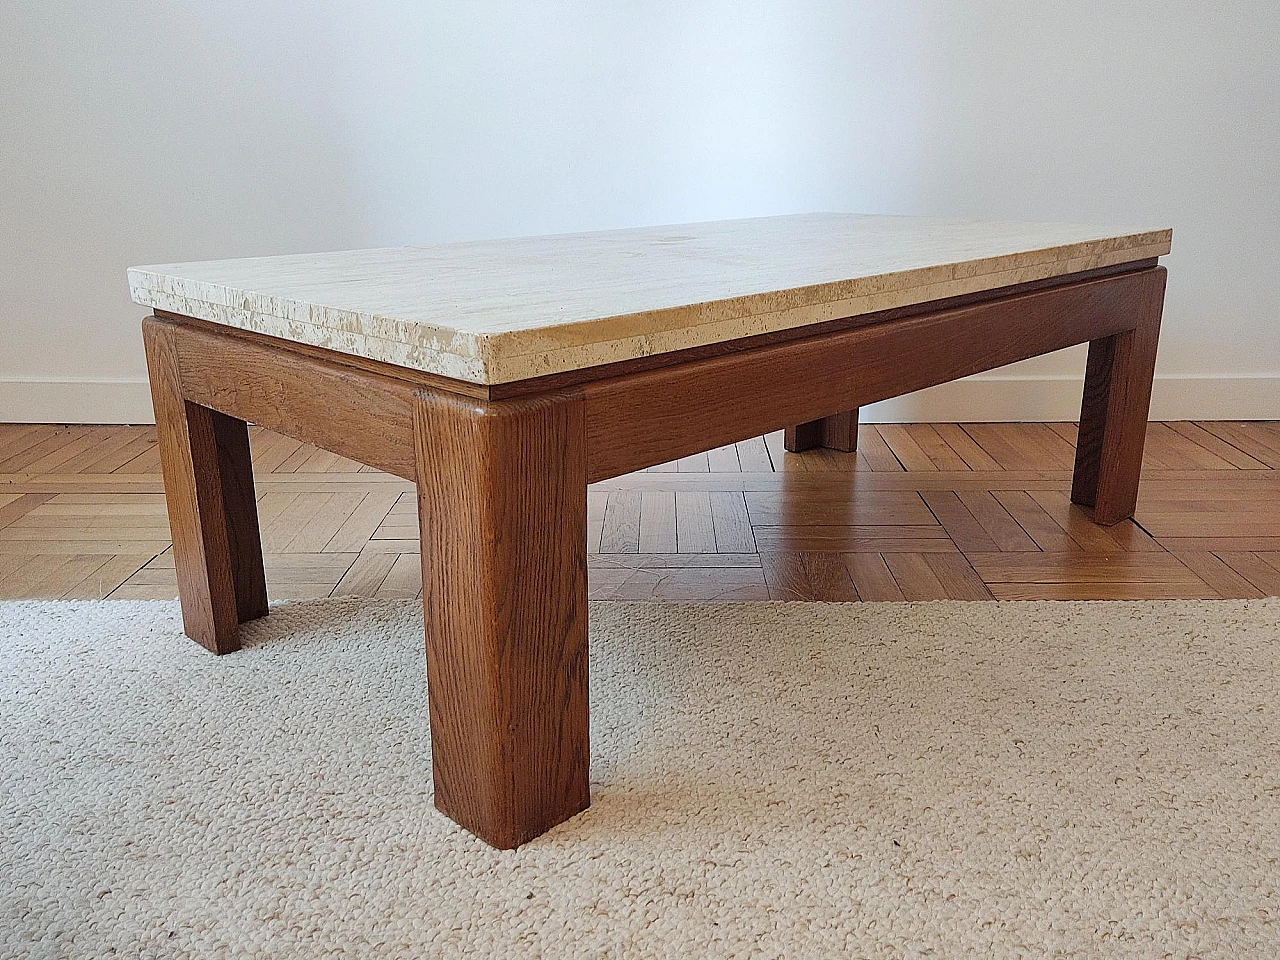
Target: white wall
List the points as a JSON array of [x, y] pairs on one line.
[[138, 132]]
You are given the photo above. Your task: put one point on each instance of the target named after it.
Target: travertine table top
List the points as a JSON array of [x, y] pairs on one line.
[[502, 310]]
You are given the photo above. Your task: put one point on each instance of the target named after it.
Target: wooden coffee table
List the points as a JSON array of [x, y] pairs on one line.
[[503, 377]]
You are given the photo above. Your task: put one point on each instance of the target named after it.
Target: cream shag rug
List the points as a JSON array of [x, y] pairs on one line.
[[799, 780]]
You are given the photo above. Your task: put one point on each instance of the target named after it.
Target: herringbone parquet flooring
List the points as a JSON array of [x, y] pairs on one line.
[[922, 511]]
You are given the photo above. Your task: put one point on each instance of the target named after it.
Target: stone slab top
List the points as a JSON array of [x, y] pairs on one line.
[[497, 311]]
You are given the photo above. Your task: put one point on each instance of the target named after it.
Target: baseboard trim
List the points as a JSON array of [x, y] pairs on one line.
[[75, 401], [1010, 399], [978, 399]]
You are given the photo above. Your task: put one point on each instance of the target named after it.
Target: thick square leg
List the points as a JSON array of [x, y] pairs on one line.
[[502, 508], [836, 432], [213, 514], [1113, 414]]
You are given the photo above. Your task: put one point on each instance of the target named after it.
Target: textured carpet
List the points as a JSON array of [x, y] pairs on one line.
[[800, 780]]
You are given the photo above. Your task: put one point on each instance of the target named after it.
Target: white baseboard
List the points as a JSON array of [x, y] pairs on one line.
[[993, 398], [75, 401], [982, 398]]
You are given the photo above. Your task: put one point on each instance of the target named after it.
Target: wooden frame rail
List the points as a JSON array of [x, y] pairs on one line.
[[636, 420]]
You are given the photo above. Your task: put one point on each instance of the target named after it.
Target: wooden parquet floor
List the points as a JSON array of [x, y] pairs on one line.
[[922, 511]]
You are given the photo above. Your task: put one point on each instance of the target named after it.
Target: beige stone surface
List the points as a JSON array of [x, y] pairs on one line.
[[496, 311]]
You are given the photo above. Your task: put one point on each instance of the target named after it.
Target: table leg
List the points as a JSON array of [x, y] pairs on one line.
[[837, 432], [1113, 414], [213, 514], [502, 510]]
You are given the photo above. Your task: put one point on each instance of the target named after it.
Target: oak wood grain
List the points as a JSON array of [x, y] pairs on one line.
[[502, 508], [837, 432], [641, 419], [215, 537], [240, 511], [360, 414], [1113, 413]]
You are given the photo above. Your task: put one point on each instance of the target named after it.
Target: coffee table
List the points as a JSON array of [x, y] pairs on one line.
[[504, 376]]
